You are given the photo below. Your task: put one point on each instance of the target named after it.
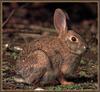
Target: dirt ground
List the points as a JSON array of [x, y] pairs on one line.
[[31, 20]]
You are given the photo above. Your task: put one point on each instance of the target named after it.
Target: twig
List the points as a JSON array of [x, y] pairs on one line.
[[6, 21], [30, 35], [30, 29], [11, 14]]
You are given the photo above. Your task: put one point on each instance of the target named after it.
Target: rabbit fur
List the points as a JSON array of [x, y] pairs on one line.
[[49, 59]]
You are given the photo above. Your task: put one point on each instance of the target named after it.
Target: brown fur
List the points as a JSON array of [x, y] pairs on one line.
[[51, 58]]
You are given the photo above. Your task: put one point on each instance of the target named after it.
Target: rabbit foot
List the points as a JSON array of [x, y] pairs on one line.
[[67, 83], [64, 82]]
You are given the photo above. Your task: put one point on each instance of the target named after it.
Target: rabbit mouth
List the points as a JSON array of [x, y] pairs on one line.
[[77, 51]]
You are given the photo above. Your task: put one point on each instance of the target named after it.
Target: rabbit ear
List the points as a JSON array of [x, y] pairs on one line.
[[60, 21]]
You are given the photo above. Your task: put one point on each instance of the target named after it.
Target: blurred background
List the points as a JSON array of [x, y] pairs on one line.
[[24, 22]]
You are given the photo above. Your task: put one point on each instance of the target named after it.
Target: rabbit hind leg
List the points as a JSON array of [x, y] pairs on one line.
[[38, 69]]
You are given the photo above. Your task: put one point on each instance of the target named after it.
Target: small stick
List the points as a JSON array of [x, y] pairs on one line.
[[11, 14]]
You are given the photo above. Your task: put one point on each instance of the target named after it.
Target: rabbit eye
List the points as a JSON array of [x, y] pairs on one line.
[[73, 39]]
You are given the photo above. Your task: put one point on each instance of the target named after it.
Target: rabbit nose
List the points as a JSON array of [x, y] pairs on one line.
[[85, 47]]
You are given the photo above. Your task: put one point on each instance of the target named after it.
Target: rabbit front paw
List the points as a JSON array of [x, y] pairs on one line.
[[65, 82]]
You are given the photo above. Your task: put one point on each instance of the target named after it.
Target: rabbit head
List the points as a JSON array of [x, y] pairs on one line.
[[72, 39]]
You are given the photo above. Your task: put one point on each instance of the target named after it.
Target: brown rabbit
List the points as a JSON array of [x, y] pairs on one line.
[[49, 59]]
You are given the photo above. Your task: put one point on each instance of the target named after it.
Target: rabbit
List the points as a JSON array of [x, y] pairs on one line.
[[50, 59]]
